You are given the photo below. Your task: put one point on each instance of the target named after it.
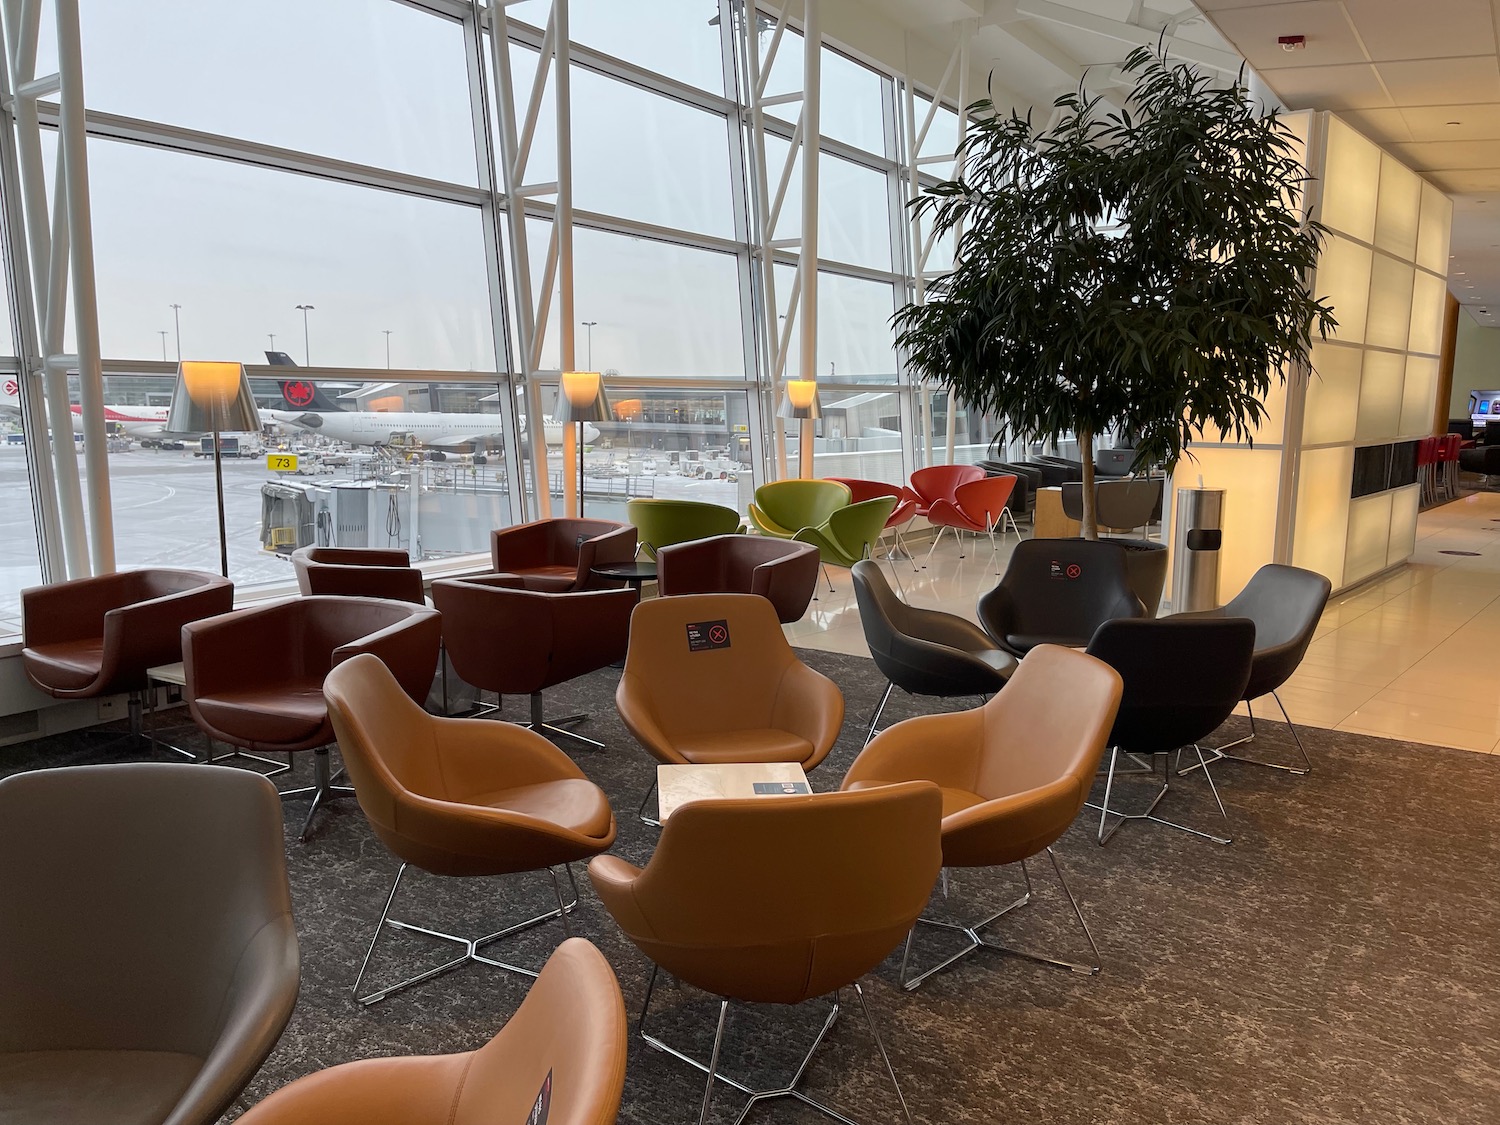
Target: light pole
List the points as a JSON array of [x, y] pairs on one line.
[[306, 347], [177, 327], [589, 324], [387, 332], [273, 340], [162, 332]]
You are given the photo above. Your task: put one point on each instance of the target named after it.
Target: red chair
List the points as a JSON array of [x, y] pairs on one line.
[[1427, 450], [977, 507], [940, 482], [907, 504], [1448, 447]]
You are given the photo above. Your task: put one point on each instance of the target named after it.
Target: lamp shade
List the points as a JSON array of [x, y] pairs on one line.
[[580, 398], [800, 399], [212, 396]]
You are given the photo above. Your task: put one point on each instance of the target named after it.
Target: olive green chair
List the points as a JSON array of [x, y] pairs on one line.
[[661, 523], [784, 507], [850, 532]]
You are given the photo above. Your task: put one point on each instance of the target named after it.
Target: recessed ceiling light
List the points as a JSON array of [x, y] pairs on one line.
[[1453, 122], [1462, 274]]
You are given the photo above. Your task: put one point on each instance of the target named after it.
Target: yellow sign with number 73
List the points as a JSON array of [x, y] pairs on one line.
[[281, 462]]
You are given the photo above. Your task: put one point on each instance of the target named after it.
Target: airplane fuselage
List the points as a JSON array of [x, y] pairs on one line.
[[430, 428]]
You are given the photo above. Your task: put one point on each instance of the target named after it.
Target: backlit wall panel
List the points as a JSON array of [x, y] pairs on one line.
[[1383, 269]]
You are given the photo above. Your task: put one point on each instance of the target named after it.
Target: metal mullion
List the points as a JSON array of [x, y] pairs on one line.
[[494, 258], [115, 127], [781, 127], [155, 367]]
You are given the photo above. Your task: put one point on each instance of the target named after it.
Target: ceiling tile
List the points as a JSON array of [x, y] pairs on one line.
[[1454, 182], [1476, 122], [1475, 78], [1253, 31], [1381, 125], [1330, 87], [1423, 30]]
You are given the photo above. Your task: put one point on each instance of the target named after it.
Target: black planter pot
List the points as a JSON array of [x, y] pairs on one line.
[[1146, 561]]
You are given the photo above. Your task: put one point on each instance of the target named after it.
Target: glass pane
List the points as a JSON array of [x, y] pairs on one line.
[[942, 133], [412, 466], [364, 80], [855, 339], [854, 225], [852, 106], [240, 247], [678, 38], [859, 435], [657, 308], [20, 563], [673, 444], [636, 154]]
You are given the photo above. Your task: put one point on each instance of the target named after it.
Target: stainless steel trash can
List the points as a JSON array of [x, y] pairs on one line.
[[1196, 539]]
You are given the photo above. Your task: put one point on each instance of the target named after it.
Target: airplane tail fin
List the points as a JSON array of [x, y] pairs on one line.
[[304, 394]]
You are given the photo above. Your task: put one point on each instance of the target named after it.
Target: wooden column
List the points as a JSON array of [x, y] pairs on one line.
[[1445, 366]]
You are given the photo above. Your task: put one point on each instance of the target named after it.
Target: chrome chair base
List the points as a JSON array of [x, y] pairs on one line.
[[641, 812], [792, 1089], [322, 788], [471, 946], [1221, 753], [557, 728], [1107, 830], [978, 941]]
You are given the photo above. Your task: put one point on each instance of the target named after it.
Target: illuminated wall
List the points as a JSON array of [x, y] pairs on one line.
[[1383, 268]]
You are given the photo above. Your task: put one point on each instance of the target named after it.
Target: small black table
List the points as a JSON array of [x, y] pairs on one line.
[[635, 574]]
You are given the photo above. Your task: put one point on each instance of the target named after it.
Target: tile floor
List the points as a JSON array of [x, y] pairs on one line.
[[1414, 655]]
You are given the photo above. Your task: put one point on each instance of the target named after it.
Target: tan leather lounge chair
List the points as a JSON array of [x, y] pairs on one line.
[[562, 1055], [460, 797], [1014, 775], [778, 900], [710, 678]]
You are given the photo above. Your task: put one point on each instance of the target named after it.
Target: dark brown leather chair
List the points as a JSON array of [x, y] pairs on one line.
[[255, 677], [562, 1055], [558, 556], [148, 960], [710, 678], [359, 572], [98, 636], [778, 900], [1014, 775], [782, 571], [513, 641], [459, 797]]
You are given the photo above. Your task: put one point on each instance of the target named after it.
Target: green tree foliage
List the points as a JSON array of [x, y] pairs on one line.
[[1140, 268]]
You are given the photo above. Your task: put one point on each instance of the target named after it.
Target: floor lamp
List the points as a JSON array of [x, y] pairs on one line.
[[800, 400], [213, 398], [581, 399]]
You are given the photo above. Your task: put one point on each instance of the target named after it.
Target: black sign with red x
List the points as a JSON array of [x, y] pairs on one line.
[[704, 635]]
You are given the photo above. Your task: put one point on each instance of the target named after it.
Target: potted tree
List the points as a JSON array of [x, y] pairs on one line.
[[1140, 268]]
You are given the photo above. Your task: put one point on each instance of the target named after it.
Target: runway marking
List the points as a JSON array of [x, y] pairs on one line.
[[171, 492]]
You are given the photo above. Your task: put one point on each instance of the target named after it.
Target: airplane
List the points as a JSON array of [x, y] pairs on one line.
[[146, 422], [440, 430]]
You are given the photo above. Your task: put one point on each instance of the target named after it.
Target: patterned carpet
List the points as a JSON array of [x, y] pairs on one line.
[[1340, 962]]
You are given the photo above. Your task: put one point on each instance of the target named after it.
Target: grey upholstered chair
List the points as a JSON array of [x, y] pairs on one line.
[[148, 961]]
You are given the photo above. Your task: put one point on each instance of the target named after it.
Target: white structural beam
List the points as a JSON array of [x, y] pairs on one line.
[[1134, 34], [520, 123]]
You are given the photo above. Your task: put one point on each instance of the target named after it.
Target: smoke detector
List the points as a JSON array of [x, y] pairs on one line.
[[1291, 42]]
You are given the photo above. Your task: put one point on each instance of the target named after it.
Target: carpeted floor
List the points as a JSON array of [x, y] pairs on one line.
[[1340, 962]]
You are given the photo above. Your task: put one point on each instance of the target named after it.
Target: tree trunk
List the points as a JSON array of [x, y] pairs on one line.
[[1090, 528]]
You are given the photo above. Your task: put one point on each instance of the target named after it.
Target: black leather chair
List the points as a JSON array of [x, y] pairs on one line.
[[924, 651], [1073, 469], [1028, 480], [1116, 462], [1285, 602], [1058, 591], [1182, 678], [1053, 475], [1120, 504]]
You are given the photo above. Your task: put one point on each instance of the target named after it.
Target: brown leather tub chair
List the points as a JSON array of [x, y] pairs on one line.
[[359, 572], [98, 636], [783, 572], [1014, 775], [148, 961], [460, 797], [255, 677], [520, 642], [557, 556], [563, 1049], [710, 678], [778, 900]]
